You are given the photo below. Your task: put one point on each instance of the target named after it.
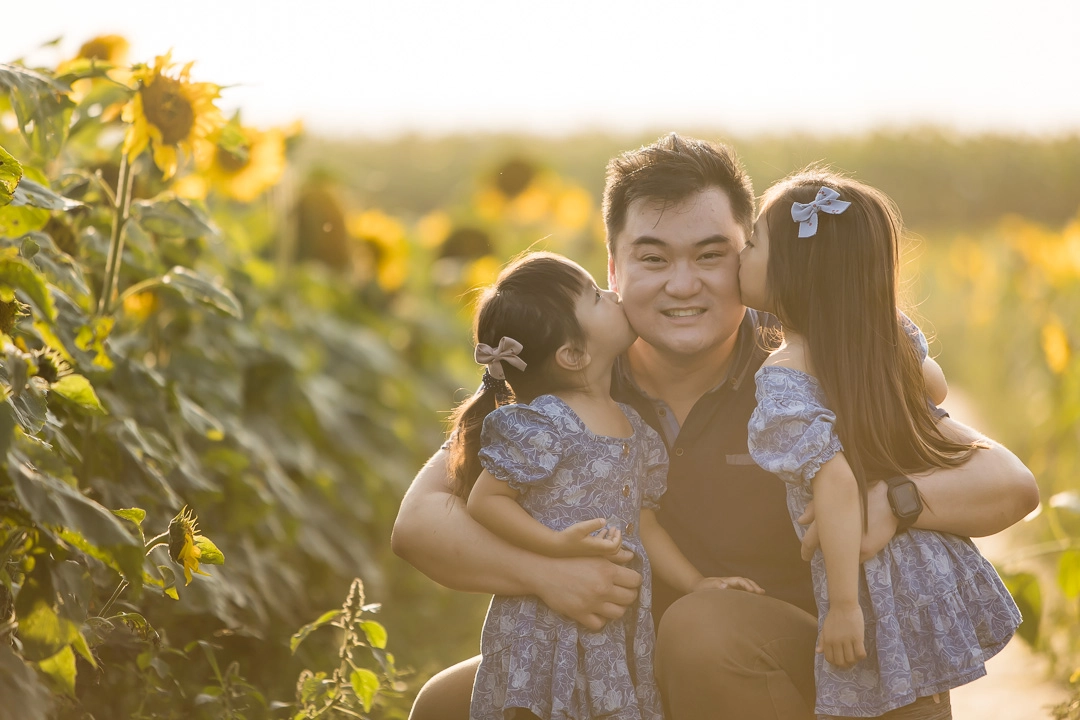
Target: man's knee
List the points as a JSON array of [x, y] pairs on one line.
[[701, 628], [447, 695]]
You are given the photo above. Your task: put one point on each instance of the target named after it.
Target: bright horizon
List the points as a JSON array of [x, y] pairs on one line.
[[777, 66]]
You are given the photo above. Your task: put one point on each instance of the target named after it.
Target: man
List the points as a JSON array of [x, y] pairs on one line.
[[677, 213]]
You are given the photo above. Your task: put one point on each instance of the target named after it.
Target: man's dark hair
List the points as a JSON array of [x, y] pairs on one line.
[[670, 170]]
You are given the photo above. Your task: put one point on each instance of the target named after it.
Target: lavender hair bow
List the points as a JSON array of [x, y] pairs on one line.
[[806, 214], [494, 357]]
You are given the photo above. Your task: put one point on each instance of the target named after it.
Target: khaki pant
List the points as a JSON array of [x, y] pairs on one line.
[[722, 654]]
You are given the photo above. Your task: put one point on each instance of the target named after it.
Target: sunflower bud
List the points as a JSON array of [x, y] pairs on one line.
[[183, 548]]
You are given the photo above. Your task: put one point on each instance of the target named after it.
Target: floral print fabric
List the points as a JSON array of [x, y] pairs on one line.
[[534, 658], [935, 609]]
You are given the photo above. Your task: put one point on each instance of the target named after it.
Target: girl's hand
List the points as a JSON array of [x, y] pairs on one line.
[[579, 539], [842, 636], [728, 583]]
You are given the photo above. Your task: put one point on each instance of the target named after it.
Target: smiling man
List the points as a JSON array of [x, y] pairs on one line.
[[678, 212]]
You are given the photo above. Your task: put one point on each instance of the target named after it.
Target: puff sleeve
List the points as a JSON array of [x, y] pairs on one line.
[[520, 445], [791, 432], [916, 335], [656, 468]]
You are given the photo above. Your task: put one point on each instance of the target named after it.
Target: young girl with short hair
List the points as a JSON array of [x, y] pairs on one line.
[[551, 463], [842, 404]]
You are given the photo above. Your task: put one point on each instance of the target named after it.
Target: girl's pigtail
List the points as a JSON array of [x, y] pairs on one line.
[[468, 420]]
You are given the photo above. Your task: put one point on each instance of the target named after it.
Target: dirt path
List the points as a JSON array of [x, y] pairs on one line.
[[1018, 685]]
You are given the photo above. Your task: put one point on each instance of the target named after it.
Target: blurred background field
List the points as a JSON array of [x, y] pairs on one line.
[[275, 331]]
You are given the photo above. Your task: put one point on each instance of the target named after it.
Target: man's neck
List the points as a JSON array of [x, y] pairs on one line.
[[677, 379]]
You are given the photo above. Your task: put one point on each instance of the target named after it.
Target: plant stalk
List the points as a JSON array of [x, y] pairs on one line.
[[116, 241]]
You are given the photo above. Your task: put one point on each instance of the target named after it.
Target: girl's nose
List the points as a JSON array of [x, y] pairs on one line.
[[611, 295]]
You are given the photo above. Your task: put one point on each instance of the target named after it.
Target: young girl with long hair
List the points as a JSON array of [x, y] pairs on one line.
[[842, 404], [551, 463]]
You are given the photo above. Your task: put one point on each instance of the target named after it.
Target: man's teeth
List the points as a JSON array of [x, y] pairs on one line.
[[683, 313]]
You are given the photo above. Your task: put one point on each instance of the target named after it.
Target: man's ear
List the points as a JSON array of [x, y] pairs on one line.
[[571, 358], [612, 283]]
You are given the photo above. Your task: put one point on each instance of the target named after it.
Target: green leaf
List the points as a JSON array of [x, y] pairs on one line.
[[365, 684], [24, 696], [210, 553], [195, 286], [172, 218], [38, 195], [1024, 587], [135, 515], [375, 632], [52, 501], [60, 669], [78, 390], [19, 274], [42, 107], [10, 174], [43, 632], [302, 633], [1069, 573]]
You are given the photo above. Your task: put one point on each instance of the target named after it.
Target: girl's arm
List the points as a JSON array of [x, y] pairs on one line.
[[934, 377], [435, 533], [836, 498], [493, 504], [671, 566]]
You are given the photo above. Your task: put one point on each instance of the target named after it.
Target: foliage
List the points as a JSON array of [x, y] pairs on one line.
[[161, 348], [1002, 303], [351, 689]]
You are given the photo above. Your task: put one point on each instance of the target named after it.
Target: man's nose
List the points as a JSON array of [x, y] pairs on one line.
[[683, 281]]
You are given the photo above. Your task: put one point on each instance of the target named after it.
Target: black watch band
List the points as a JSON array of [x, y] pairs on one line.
[[905, 501]]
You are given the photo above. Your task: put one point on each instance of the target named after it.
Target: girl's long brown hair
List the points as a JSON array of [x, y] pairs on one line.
[[838, 289], [534, 302]]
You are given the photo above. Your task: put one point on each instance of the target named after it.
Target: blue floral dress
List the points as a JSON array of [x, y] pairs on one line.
[[935, 609], [533, 657]]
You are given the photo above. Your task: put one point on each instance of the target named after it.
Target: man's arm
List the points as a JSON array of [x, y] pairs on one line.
[[435, 534], [985, 495]]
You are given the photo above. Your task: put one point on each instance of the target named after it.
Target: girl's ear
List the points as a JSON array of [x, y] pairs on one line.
[[571, 358]]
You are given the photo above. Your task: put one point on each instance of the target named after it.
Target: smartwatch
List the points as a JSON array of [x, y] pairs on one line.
[[905, 501]]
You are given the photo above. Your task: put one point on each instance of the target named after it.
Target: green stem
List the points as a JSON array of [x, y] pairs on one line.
[[116, 593], [116, 241], [151, 543]]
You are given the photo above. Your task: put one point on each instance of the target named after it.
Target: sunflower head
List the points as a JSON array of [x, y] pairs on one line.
[[245, 161], [188, 548], [112, 49], [51, 365], [170, 113], [182, 547]]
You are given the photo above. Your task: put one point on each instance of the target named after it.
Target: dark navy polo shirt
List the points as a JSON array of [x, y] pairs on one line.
[[726, 514]]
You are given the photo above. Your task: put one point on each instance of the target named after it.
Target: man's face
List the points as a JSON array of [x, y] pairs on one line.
[[677, 271]]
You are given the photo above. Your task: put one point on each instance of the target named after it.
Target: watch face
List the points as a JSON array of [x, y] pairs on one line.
[[905, 499]]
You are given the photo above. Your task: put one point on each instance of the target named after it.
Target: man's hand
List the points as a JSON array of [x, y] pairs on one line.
[[881, 524], [589, 538], [591, 591], [842, 636], [729, 583]]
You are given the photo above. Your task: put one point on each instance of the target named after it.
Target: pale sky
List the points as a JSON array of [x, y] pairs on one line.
[[556, 66]]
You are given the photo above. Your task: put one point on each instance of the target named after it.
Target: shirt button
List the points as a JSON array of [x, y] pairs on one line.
[[662, 412], [679, 452], [625, 449], [629, 527], [626, 490]]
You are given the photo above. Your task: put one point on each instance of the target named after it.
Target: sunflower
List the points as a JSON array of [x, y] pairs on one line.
[[169, 112], [187, 548], [246, 162]]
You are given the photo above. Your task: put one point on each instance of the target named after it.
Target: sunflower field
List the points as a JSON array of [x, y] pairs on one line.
[[228, 349]]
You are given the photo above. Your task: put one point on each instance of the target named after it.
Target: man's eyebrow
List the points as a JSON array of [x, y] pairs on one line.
[[649, 240]]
